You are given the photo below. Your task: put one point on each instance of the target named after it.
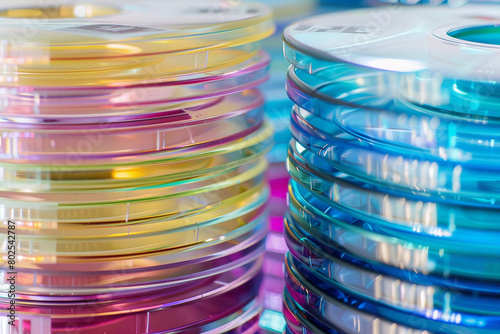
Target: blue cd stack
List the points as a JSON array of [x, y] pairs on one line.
[[393, 219]]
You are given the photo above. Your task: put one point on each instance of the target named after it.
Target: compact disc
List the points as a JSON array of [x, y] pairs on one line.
[[168, 235], [236, 116], [302, 279], [369, 109], [122, 102], [320, 236], [401, 39], [306, 172], [359, 246], [162, 70], [230, 307], [359, 279], [445, 241], [115, 277], [469, 294], [120, 173], [324, 301], [105, 34], [139, 205], [408, 170], [172, 188], [74, 168], [149, 296], [314, 219], [249, 198]]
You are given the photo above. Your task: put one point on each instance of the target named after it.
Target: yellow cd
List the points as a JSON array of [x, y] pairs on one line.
[[121, 173], [93, 35]]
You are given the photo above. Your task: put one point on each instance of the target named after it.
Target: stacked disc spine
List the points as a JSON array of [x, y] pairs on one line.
[[392, 224], [132, 161]]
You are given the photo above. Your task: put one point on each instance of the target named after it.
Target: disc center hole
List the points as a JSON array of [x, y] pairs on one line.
[[480, 34]]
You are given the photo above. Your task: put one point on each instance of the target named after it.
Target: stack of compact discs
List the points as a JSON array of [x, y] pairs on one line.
[[132, 158], [394, 200]]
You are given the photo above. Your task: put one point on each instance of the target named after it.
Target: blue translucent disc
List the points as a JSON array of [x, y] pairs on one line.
[[434, 248], [405, 290], [324, 301]]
